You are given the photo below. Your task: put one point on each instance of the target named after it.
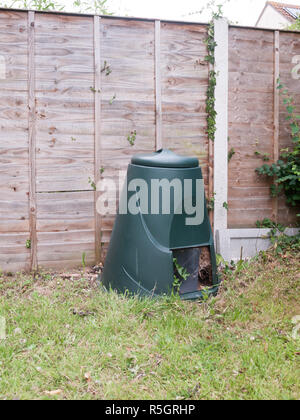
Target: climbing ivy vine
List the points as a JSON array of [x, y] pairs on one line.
[[210, 58], [212, 81]]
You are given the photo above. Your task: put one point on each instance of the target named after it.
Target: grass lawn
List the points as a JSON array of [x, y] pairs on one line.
[[67, 339]]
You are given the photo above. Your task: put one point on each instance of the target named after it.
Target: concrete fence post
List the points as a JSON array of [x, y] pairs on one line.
[[221, 136]]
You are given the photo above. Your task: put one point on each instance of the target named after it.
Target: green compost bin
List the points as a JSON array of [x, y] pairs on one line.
[[155, 244]]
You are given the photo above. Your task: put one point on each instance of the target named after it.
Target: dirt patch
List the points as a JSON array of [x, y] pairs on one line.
[[43, 290]]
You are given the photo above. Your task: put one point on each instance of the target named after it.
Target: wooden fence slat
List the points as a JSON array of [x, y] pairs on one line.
[[32, 140], [159, 144], [276, 114], [97, 54]]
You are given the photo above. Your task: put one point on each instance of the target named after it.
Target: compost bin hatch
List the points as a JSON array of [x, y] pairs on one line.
[[193, 269]]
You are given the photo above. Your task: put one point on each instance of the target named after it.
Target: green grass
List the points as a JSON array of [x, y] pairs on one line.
[[236, 346]]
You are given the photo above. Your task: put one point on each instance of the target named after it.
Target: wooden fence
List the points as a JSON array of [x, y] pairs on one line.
[[257, 119], [72, 88]]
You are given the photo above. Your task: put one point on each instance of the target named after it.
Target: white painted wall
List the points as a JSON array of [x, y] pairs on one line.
[[272, 19]]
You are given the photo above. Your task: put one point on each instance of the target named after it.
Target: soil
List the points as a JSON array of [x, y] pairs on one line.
[[205, 268]]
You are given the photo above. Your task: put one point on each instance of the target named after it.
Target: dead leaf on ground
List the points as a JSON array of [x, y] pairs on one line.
[[53, 393], [138, 377], [88, 377], [83, 314]]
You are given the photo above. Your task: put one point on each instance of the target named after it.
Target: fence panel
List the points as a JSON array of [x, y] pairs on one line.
[[289, 53], [127, 98], [251, 123], [14, 154], [64, 76]]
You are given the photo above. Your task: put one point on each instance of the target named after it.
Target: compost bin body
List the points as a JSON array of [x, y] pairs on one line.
[[140, 258]]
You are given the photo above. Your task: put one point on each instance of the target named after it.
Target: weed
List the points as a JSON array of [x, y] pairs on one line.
[[279, 239], [112, 99], [131, 138], [94, 90], [231, 153], [211, 202], [92, 183], [83, 260], [183, 274], [106, 68]]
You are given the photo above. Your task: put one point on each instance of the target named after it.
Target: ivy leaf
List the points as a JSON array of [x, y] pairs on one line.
[[225, 205], [290, 109], [294, 128]]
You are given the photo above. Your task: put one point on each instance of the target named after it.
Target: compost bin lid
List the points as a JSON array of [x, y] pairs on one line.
[[165, 159]]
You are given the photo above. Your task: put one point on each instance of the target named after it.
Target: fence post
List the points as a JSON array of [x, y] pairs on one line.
[[221, 135], [32, 141], [97, 143], [158, 105], [276, 115]]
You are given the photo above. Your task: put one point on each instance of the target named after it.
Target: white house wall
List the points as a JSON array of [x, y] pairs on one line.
[[271, 19]]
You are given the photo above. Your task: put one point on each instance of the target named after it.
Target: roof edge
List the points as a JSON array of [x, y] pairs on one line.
[[262, 12]]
